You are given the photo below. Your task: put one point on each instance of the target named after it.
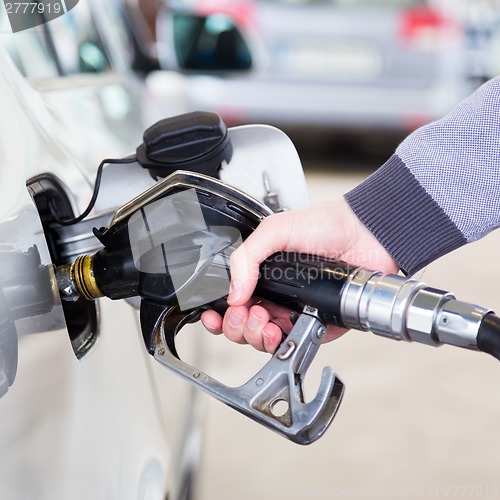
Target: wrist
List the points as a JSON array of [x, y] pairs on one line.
[[403, 217], [365, 249]]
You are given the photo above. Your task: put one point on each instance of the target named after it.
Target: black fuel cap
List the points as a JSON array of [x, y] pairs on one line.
[[196, 142]]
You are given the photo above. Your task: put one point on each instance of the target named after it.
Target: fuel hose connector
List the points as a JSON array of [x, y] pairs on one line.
[[406, 309]]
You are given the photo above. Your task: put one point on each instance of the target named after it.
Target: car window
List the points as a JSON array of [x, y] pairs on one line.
[[67, 45], [28, 49], [79, 47], [212, 43]]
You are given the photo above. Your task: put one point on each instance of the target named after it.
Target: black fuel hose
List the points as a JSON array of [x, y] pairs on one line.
[[488, 337]]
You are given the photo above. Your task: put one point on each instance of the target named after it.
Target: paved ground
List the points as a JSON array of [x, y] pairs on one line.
[[416, 422]]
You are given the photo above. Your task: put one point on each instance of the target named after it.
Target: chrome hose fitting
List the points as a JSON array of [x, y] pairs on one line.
[[406, 309]]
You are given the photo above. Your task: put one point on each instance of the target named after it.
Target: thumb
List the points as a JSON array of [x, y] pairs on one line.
[[271, 236]]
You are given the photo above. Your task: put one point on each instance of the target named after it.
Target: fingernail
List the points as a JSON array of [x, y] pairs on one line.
[[253, 321], [265, 335], [235, 320], [234, 292], [210, 328]]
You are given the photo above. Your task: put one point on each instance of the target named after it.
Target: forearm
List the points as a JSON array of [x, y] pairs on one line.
[[441, 189]]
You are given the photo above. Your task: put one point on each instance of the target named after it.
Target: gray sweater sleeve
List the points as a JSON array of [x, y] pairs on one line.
[[441, 188]]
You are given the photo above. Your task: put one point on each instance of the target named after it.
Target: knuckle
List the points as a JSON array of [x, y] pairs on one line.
[[233, 333], [255, 339], [234, 258], [236, 337]]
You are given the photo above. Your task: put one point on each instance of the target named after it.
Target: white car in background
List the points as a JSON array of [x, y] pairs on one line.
[[363, 65]]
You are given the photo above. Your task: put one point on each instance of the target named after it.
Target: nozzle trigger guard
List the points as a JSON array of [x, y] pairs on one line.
[[274, 396]]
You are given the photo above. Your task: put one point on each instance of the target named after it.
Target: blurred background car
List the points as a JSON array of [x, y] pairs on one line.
[[347, 65]]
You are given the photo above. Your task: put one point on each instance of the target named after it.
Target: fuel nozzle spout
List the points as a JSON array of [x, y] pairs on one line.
[[108, 273], [78, 280]]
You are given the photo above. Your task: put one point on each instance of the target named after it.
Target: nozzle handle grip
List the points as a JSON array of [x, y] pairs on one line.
[[296, 280]]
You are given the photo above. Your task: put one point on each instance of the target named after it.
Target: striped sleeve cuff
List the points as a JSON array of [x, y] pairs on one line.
[[410, 225]]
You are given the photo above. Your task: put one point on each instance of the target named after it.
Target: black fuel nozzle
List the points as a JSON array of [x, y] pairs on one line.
[[157, 248], [171, 247]]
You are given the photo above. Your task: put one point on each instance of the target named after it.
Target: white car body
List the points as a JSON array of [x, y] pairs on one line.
[[115, 424]]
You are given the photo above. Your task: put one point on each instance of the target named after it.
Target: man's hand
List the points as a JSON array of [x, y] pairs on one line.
[[331, 231]]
